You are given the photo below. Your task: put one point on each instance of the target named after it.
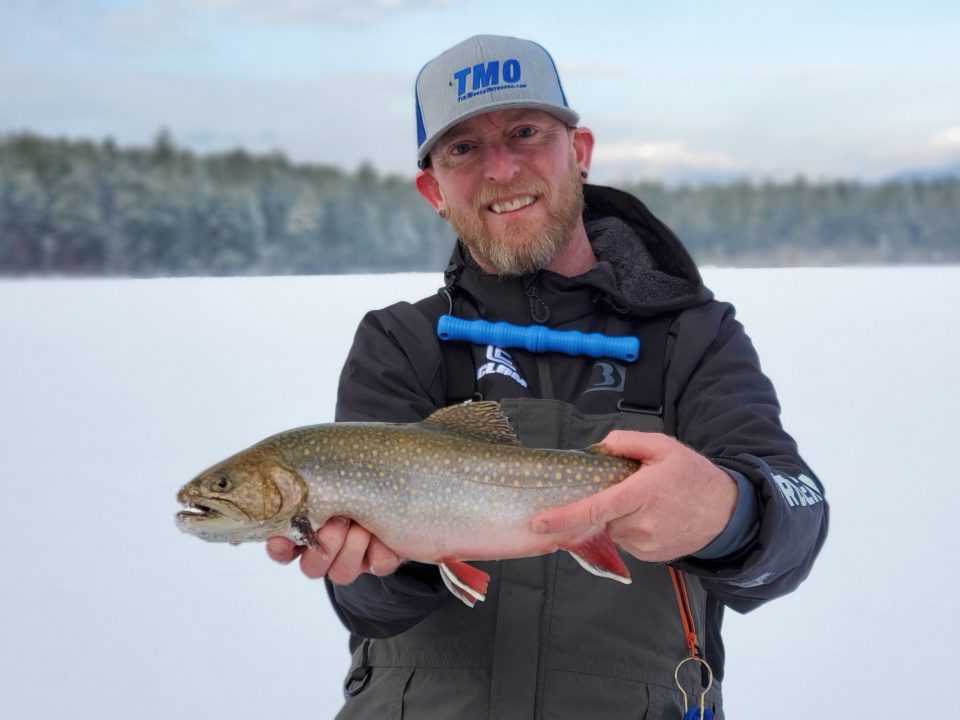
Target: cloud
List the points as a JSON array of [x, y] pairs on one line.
[[947, 140], [659, 159]]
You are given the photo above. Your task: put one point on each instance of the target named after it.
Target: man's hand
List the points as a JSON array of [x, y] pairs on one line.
[[345, 550], [674, 505]]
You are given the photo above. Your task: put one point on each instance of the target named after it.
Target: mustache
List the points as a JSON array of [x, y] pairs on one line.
[[492, 192]]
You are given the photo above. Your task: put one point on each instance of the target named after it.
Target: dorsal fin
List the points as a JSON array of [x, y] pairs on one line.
[[482, 420]]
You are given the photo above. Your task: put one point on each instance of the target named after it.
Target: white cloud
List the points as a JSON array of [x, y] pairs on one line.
[[663, 158], [947, 140]]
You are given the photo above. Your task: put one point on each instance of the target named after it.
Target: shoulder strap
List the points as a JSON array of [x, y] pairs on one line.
[[458, 367], [643, 385]]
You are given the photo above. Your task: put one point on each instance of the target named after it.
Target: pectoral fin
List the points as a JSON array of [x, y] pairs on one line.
[[301, 531], [466, 582], [599, 555]]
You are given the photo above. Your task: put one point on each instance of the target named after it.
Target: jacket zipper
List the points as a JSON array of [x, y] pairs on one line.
[[540, 313]]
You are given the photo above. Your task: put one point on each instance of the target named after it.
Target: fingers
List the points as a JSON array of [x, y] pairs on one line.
[[347, 565], [344, 551], [282, 550], [315, 562], [594, 511], [381, 560], [615, 502]]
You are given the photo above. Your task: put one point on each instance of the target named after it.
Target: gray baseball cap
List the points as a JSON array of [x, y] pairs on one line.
[[484, 73]]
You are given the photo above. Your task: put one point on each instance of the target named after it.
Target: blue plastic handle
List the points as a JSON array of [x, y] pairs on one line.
[[538, 338]]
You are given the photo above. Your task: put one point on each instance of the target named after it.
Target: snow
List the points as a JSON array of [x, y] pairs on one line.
[[114, 393]]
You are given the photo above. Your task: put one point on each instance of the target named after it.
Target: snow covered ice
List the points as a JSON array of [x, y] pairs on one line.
[[114, 393]]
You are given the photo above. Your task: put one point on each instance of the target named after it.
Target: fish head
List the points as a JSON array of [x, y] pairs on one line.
[[250, 496]]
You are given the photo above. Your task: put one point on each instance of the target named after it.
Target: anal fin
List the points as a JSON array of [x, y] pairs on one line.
[[599, 555], [466, 582]]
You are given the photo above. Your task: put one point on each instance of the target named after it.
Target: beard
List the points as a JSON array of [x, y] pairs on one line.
[[526, 245]]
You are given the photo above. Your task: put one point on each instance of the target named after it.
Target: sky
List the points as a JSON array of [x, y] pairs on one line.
[[117, 392], [684, 91]]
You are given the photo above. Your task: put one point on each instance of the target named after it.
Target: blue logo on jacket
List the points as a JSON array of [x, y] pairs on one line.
[[488, 77]]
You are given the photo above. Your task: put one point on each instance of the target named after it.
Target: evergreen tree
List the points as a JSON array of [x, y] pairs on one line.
[[83, 208]]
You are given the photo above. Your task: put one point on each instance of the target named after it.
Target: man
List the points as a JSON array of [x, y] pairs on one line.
[[722, 493]]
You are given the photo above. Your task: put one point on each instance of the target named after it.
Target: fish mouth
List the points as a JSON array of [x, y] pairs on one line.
[[203, 509], [202, 518], [193, 510]]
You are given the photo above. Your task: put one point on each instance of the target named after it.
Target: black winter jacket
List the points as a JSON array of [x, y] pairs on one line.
[[715, 398]]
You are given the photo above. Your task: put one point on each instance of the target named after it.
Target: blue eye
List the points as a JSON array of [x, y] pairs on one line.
[[525, 132], [460, 148]]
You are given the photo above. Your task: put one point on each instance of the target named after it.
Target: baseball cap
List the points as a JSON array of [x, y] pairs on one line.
[[484, 73]]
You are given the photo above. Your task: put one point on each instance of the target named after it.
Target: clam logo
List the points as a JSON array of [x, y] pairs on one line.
[[500, 364], [489, 77]]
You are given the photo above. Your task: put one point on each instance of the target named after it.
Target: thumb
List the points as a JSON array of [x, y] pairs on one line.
[[577, 517], [634, 444]]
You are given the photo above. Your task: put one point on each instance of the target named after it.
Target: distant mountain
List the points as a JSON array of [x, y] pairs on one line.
[[944, 172]]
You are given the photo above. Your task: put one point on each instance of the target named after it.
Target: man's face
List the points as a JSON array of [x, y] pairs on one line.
[[510, 183]]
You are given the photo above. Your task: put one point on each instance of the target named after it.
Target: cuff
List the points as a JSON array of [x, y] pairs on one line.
[[741, 528]]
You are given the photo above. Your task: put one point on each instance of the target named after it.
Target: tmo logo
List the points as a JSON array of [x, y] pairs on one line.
[[484, 78]]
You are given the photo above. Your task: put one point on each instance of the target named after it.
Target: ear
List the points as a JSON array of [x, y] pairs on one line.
[[583, 147], [428, 186]]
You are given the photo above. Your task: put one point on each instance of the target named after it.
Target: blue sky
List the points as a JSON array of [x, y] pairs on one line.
[[692, 90]]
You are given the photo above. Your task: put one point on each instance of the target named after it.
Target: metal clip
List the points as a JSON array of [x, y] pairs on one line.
[[704, 713]]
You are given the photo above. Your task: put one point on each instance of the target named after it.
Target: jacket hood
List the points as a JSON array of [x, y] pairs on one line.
[[642, 265]]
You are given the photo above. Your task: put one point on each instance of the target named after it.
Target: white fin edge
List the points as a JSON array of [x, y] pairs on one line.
[[468, 595], [598, 571]]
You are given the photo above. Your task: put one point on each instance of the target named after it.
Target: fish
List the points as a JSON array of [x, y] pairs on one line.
[[453, 488]]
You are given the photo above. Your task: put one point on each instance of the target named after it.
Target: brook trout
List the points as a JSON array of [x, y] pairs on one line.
[[457, 486]]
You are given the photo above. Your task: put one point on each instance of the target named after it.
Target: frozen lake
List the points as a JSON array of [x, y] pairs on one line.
[[114, 393]]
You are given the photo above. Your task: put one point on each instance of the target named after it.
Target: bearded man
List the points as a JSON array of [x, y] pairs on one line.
[[723, 512]]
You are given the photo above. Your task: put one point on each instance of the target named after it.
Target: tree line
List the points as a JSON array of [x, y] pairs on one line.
[[84, 208]]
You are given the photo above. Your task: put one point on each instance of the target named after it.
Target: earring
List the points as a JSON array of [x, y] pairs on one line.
[[442, 213], [583, 174]]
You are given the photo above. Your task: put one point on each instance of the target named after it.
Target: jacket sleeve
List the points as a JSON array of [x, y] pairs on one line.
[[728, 410], [392, 374]]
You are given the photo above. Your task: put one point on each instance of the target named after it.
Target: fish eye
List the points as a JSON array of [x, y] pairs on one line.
[[222, 483]]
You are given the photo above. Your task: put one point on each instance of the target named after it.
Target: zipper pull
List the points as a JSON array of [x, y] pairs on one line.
[[539, 312]]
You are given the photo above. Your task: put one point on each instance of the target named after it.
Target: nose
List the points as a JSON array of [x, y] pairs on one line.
[[502, 164]]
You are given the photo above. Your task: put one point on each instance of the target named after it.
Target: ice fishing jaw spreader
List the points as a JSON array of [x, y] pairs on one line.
[[538, 338]]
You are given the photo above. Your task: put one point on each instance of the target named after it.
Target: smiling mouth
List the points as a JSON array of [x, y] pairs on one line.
[[508, 206]]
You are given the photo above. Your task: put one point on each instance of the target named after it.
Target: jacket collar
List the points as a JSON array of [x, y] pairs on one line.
[[643, 269]]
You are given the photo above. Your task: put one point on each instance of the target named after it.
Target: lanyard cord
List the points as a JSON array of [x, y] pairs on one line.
[[686, 613], [690, 638]]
